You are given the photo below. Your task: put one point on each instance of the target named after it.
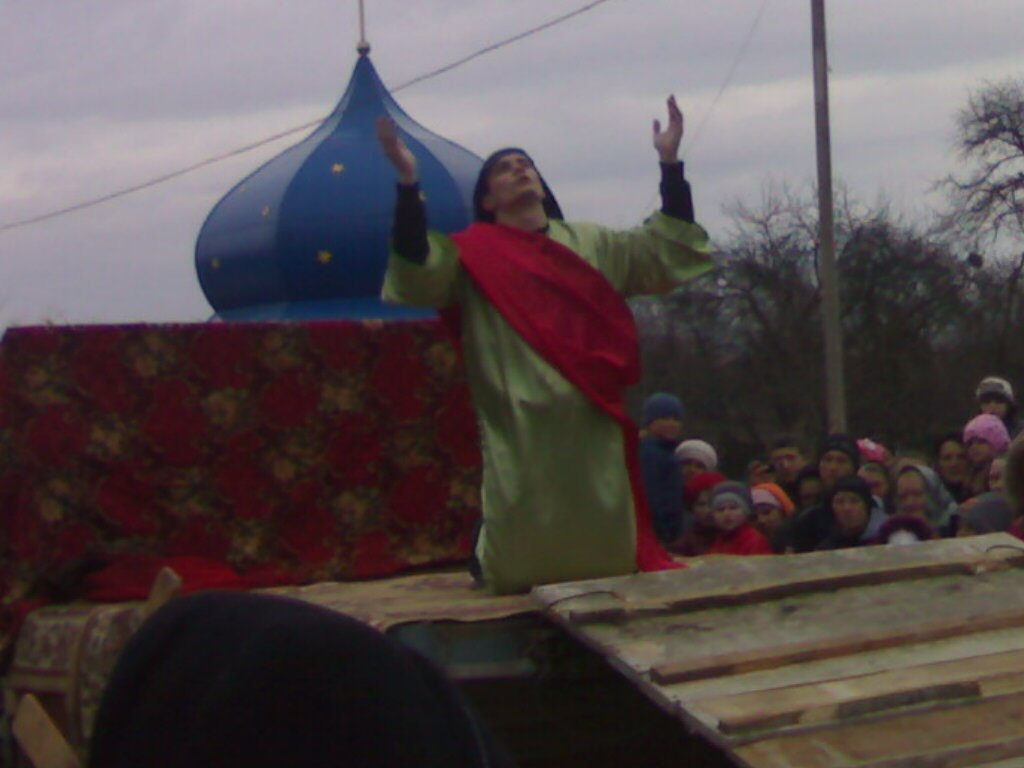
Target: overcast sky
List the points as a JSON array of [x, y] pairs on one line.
[[96, 95]]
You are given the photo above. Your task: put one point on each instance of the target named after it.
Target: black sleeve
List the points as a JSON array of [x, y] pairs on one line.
[[409, 229], [676, 198]]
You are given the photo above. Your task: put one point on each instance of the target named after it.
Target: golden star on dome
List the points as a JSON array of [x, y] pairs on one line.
[[337, 168], [215, 264], [324, 257]]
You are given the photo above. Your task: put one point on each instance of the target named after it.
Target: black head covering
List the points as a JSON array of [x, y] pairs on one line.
[[840, 441], [853, 484], [551, 207], [232, 679]]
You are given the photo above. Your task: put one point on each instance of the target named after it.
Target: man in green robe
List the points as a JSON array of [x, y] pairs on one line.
[[560, 496]]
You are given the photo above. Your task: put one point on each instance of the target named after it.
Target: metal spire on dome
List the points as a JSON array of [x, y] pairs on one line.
[[363, 48]]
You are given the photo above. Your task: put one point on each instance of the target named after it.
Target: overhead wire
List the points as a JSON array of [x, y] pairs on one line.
[[290, 131], [726, 82]]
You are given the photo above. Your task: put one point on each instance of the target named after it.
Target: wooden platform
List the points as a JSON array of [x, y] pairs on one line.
[[901, 657]]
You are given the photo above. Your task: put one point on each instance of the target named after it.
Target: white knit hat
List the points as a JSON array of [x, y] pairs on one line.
[[698, 450], [993, 385]]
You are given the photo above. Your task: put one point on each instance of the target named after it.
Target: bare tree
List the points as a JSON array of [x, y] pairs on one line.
[[988, 200]]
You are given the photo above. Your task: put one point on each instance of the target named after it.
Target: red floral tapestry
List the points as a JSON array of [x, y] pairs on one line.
[[288, 453]]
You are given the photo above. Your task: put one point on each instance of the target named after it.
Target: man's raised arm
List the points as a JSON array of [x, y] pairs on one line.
[[676, 197], [409, 227]]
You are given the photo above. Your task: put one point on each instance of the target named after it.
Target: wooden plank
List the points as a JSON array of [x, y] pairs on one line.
[[40, 739], [983, 731], [975, 756], [848, 697], [731, 663], [814, 619], [742, 581], [692, 694]]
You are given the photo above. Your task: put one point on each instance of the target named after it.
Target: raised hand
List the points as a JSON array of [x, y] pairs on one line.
[[396, 151], [667, 142]]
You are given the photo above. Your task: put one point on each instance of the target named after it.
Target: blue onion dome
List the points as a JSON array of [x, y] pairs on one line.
[[306, 236]]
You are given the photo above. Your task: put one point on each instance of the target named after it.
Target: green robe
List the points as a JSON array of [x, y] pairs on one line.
[[557, 503]]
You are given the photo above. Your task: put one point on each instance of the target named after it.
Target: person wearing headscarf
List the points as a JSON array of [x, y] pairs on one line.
[[222, 679], [549, 346], [921, 492]]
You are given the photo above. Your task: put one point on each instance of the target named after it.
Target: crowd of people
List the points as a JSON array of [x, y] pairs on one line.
[[851, 492]]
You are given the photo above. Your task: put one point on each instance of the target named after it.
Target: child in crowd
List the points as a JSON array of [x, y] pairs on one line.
[[699, 531], [731, 510], [950, 461], [985, 437], [772, 510], [839, 458], [857, 519], [662, 426], [809, 491], [995, 396], [694, 457]]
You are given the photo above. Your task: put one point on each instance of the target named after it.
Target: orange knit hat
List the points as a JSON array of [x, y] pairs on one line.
[[781, 497]]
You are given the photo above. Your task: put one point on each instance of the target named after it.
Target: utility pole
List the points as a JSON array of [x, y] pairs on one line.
[[827, 272]]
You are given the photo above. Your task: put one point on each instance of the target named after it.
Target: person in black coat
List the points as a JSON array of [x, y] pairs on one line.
[[224, 679]]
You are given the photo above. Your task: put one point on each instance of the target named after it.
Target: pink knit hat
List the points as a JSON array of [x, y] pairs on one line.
[[989, 428]]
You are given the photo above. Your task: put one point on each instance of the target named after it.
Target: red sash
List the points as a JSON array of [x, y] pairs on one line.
[[571, 316]]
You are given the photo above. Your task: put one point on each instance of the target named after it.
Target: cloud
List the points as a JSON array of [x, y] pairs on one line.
[[99, 95]]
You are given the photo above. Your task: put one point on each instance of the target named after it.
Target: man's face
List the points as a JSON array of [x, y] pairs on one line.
[[953, 462], [787, 462], [667, 428], [834, 465], [511, 179], [996, 406]]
